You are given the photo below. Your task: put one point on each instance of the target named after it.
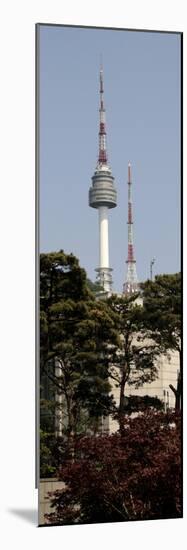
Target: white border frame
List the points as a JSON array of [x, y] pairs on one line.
[[17, 266]]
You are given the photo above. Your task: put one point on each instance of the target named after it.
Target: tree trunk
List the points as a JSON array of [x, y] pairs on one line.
[[122, 401], [177, 390], [70, 429], [178, 393]]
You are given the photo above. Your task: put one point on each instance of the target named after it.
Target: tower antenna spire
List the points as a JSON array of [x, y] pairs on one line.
[[101, 61], [102, 159], [131, 283]]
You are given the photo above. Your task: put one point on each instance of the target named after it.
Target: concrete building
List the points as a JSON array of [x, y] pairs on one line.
[[168, 369]]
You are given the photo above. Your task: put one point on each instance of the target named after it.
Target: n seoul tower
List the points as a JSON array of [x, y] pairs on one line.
[[103, 195], [131, 283]]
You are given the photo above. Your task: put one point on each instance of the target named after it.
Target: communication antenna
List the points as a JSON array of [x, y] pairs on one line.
[[151, 268], [131, 282]]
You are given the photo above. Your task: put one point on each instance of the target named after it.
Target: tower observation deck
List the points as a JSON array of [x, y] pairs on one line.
[[103, 196]]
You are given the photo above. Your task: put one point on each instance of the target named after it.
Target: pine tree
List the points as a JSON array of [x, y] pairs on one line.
[[77, 333]]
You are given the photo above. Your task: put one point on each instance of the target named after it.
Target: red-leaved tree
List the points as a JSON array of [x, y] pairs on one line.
[[132, 476]]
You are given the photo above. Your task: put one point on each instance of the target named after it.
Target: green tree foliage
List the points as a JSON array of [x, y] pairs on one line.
[[47, 465], [162, 305], [96, 288], [136, 403], [76, 331], [134, 362], [132, 476]]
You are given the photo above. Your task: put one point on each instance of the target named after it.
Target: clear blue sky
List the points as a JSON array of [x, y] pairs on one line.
[[142, 100]]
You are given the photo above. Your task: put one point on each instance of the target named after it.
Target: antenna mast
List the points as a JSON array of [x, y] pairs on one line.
[[131, 283]]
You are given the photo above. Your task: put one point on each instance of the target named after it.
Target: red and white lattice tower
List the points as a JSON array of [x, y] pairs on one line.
[[131, 283]]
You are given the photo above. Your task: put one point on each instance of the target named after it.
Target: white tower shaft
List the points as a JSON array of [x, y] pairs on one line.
[[103, 237]]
